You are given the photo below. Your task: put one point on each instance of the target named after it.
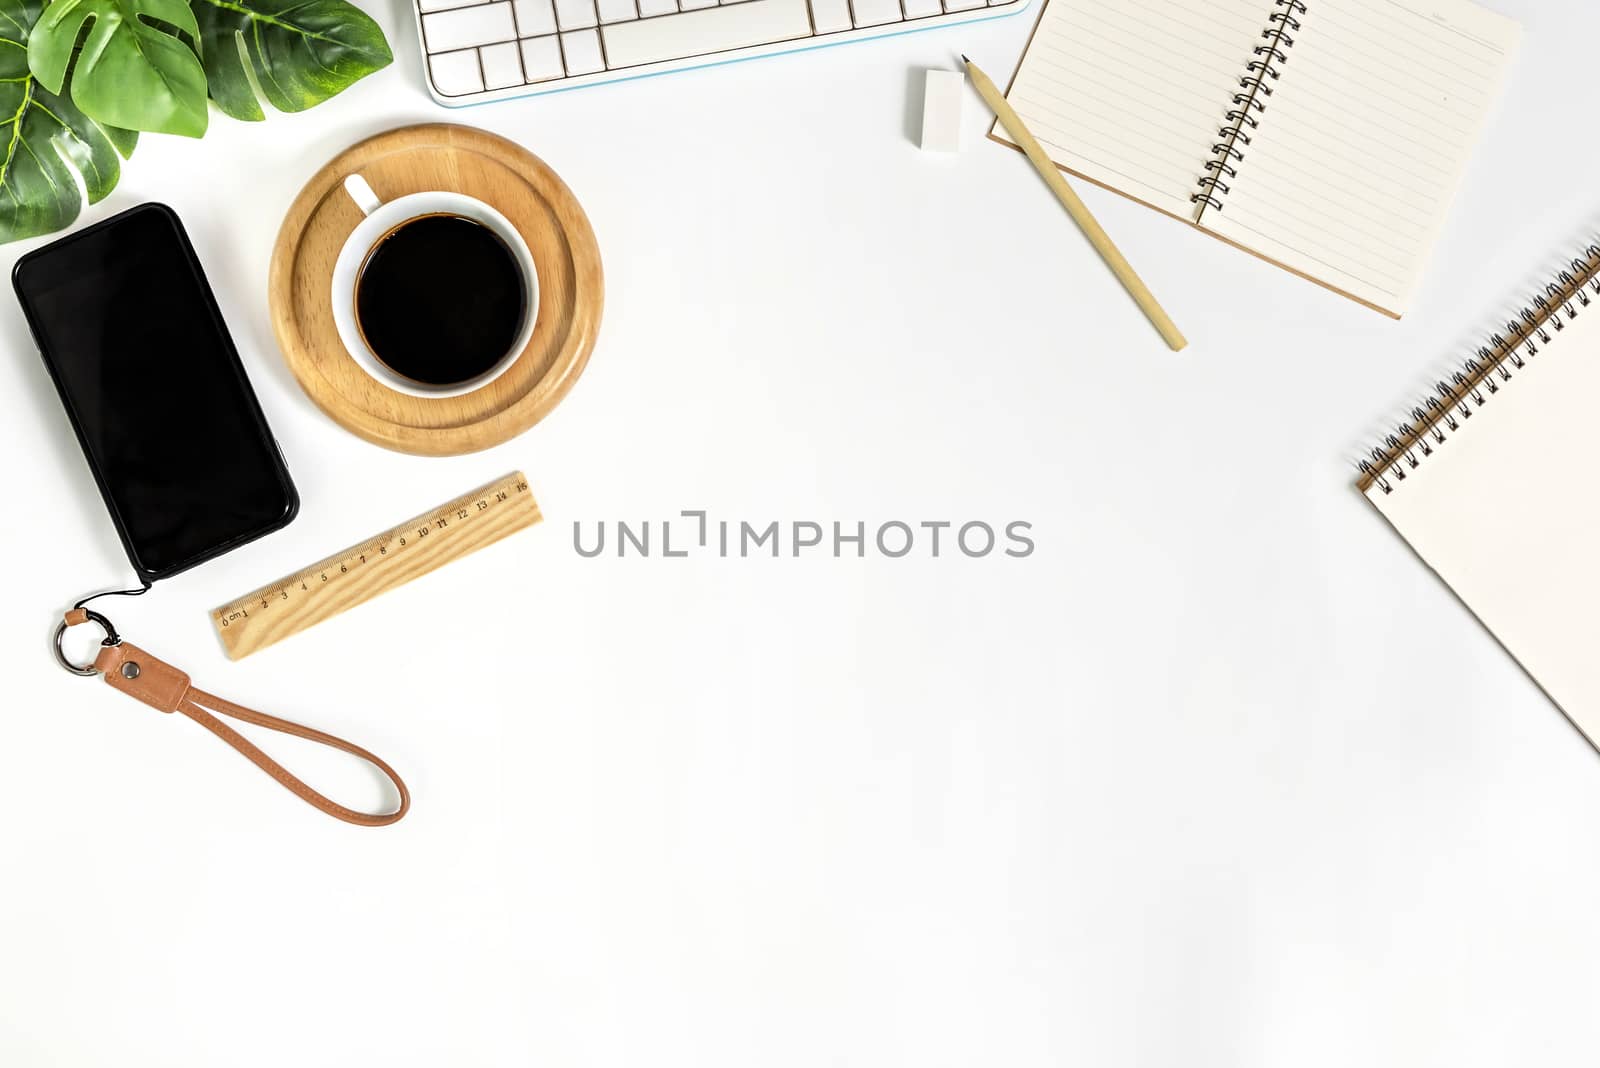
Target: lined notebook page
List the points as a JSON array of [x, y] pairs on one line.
[[1133, 95], [1505, 511], [1364, 140]]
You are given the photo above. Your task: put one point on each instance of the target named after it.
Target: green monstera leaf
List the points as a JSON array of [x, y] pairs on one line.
[[79, 77], [47, 138], [132, 69], [300, 52]]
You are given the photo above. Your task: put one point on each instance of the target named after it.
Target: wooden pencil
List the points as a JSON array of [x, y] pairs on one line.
[[1075, 207]]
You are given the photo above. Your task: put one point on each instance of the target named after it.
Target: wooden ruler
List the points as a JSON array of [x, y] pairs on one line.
[[363, 571]]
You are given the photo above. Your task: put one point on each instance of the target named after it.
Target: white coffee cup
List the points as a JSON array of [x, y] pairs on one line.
[[382, 219]]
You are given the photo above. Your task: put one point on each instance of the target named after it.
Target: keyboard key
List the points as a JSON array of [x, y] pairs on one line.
[[443, 5], [502, 66], [962, 5], [694, 5], [831, 16], [647, 8], [697, 33], [541, 58], [617, 10], [921, 9], [456, 73], [575, 14], [535, 18], [582, 50], [877, 12], [447, 31]]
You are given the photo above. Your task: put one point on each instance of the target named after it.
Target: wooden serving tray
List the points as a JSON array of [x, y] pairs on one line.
[[457, 159]]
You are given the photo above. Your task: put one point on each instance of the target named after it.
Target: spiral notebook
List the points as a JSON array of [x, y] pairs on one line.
[[1492, 481], [1326, 136]]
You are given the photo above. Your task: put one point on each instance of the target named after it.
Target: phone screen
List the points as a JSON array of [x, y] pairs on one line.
[[132, 336]]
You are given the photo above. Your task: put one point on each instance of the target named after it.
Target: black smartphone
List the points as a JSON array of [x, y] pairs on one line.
[[128, 327]]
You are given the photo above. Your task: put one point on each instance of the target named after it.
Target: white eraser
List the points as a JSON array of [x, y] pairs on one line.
[[941, 111]]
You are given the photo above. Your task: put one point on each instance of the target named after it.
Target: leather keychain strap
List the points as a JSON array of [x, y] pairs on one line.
[[131, 670]]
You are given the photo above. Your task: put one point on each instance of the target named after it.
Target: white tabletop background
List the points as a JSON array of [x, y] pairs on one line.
[[1220, 775]]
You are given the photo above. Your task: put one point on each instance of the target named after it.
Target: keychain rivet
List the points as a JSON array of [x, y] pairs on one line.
[[130, 670]]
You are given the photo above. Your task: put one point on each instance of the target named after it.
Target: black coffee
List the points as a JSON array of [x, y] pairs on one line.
[[440, 300]]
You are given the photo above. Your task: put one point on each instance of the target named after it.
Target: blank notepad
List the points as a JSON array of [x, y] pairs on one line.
[[1494, 488], [1327, 136]]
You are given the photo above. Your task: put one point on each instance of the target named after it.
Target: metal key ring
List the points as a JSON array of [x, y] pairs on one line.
[[111, 638]]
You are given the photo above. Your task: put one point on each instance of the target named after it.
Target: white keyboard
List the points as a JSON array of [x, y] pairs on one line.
[[476, 51]]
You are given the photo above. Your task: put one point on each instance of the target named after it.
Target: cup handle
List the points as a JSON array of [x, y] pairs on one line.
[[362, 194]]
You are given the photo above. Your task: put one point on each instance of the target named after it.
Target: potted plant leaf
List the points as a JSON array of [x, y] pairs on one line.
[[81, 79]]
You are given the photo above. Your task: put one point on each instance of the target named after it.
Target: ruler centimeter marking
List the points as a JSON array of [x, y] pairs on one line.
[[361, 572]]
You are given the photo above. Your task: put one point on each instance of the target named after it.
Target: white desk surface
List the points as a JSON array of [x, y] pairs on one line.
[[1220, 776]]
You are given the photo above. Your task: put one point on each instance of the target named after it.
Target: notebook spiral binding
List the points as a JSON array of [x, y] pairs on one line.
[[1483, 374], [1249, 104]]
